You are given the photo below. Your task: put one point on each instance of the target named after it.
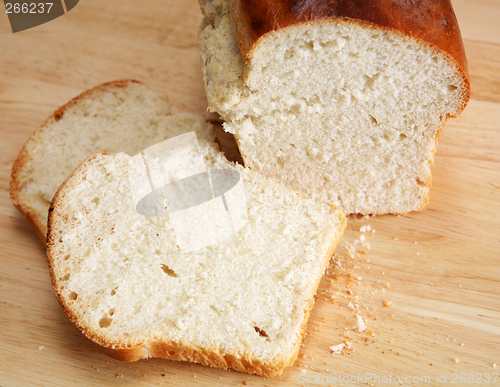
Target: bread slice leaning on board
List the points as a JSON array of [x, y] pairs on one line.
[[241, 303], [343, 101], [120, 116]]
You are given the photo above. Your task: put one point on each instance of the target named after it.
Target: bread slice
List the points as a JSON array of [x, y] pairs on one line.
[[121, 116], [241, 303], [343, 101]]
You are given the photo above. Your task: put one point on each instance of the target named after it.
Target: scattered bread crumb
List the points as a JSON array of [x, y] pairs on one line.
[[387, 303], [387, 285], [360, 323], [337, 349], [457, 361], [41, 347]]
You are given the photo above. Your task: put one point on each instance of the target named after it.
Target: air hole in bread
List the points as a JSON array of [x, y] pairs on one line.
[[169, 271], [105, 322], [112, 311], [261, 332], [402, 137], [73, 296], [373, 120], [451, 88], [95, 200], [65, 277], [66, 257], [421, 183], [113, 292], [171, 353]]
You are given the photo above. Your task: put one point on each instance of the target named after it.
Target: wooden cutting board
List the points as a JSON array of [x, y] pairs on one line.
[[437, 272]]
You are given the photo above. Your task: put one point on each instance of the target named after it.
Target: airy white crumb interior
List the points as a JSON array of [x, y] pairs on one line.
[[113, 119], [121, 275], [344, 113]]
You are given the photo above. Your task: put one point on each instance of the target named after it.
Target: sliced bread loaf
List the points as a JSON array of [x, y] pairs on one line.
[[343, 101], [241, 303], [121, 116]]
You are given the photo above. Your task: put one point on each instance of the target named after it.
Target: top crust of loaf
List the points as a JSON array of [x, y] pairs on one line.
[[432, 21]]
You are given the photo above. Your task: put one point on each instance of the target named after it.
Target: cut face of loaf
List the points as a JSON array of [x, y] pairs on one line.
[[241, 303], [343, 103], [120, 116]]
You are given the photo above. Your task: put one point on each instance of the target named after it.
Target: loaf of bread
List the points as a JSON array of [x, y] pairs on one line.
[[343, 101], [241, 303], [121, 116]]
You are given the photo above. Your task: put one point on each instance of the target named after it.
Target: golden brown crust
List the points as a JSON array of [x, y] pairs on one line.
[[168, 349], [432, 21], [24, 156]]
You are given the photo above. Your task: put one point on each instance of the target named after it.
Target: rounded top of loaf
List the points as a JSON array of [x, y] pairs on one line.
[[432, 21]]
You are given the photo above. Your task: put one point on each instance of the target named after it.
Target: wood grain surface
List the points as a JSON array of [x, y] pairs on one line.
[[428, 287]]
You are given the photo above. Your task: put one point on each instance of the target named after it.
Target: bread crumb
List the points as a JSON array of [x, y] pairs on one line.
[[337, 349], [245, 383], [494, 366], [363, 252], [387, 285], [457, 361], [325, 319], [119, 375], [360, 323], [41, 347], [387, 303]]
